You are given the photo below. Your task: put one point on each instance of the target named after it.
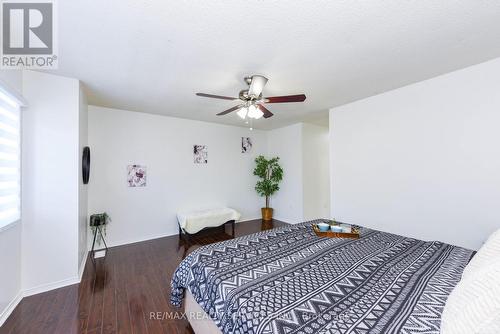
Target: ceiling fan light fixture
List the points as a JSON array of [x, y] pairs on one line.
[[254, 112], [257, 86], [242, 113], [251, 100]]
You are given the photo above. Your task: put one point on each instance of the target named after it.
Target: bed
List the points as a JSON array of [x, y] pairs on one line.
[[288, 280]]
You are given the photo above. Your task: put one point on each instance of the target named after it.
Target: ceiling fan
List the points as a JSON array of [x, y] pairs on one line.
[[252, 102]]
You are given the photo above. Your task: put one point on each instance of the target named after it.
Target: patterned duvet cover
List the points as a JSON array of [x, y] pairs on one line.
[[288, 280]]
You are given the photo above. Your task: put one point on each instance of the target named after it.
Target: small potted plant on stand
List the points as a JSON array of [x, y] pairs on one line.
[[98, 224], [270, 174]]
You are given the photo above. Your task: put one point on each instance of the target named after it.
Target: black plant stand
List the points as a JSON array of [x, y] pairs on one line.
[[98, 230]]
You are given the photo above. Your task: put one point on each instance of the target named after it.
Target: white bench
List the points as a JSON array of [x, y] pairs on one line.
[[194, 221]]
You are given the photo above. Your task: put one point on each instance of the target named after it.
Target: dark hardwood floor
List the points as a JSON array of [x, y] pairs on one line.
[[120, 292]]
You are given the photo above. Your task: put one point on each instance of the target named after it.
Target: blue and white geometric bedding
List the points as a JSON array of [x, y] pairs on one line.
[[288, 280]]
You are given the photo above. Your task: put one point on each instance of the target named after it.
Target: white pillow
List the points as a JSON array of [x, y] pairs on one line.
[[489, 252], [473, 306]]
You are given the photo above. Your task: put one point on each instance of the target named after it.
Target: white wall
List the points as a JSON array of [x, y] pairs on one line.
[[316, 171], [119, 138], [286, 143], [82, 188], [12, 80], [10, 237], [10, 262], [304, 193], [42, 252], [50, 181], [423, 160]]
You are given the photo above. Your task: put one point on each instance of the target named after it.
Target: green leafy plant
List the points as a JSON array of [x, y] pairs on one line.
[[99, 220], [270, 174]]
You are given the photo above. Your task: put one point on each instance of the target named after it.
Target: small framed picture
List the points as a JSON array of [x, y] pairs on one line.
[[136, 176], [200, 154], [246, 144]]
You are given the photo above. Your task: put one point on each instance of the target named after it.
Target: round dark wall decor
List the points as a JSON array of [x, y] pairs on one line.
[[86, 164]]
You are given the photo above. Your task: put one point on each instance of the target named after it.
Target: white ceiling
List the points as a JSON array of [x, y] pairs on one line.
[[152, 56]]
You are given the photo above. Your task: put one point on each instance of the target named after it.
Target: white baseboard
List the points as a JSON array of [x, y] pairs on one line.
[[82, 267], [133, 241], [286, 220], [248, 219], [158, 236], [12, 305], [40, 289], [51, 286]]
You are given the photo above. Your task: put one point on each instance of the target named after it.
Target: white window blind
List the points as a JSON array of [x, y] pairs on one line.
[[10, 160]]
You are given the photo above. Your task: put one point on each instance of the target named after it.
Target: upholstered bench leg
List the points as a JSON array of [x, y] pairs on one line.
[[183, 235], [231, 223]]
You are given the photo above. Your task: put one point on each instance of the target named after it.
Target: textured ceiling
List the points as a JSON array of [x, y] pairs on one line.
[[152, 56]]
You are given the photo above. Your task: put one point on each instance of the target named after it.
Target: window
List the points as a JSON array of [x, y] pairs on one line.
[[10, 159]]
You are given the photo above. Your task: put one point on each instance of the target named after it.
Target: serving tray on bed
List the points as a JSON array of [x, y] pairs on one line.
[[331, 234]]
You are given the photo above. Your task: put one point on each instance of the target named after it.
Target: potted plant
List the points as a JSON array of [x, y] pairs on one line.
[[270, 174], [98, 223]]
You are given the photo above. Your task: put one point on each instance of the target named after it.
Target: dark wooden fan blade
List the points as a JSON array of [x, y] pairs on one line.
[[217, 96], [284, 99], [230, 110], [266, 111]]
